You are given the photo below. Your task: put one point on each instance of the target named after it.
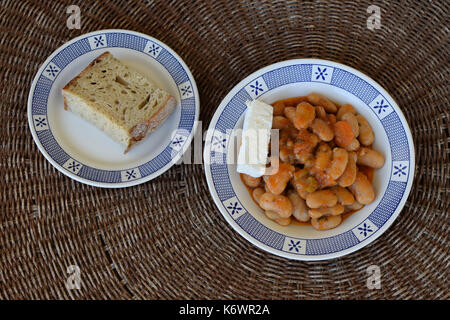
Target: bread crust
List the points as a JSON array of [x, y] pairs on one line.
[[66, 106], [144, 128]]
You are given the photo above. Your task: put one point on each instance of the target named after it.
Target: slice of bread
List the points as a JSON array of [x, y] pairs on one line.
[[120, 101]]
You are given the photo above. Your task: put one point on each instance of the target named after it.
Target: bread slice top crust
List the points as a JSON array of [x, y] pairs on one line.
[[123, 96]]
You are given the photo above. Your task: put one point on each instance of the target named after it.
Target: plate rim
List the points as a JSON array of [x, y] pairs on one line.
[[138, 181], [258, 73]]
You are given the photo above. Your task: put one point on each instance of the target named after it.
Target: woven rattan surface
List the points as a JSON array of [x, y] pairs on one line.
[[166, 238]]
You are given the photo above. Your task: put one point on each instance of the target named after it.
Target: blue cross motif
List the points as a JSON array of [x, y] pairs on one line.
[[52, 71], [294, 246], [98, 41], [234, 207], [256, 87], [153, 50], [381, 106], [400, 170], [73, 166], [178, 141], [40, 122], [219, 142], [130, 174], [365, 229], [186, 90], [321, 73]]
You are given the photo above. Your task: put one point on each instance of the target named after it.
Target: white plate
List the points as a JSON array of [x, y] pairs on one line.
[[83, 152], [343, 84]]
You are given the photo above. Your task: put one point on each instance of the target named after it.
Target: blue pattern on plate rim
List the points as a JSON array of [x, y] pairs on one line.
[[337, 77], [101, 41]]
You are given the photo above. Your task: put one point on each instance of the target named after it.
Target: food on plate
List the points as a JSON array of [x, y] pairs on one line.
[[326, 163], [255, 139], [119, 101]]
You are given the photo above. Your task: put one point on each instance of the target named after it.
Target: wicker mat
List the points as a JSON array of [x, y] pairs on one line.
[[165, 238]]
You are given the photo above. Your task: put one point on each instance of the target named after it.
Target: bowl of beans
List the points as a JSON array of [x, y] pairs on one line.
[[344, 162]]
